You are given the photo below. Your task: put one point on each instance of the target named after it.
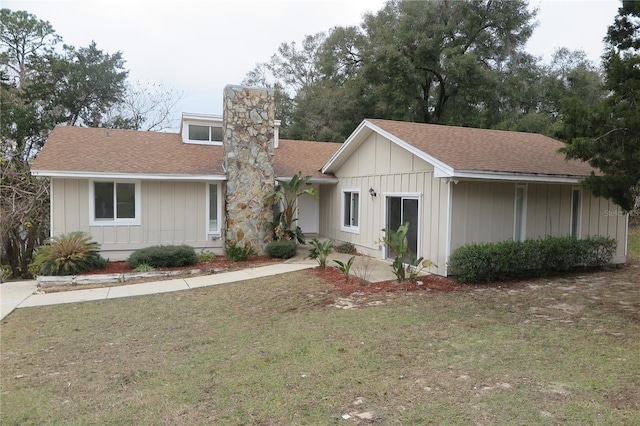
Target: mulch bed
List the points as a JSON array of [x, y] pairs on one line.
[[330, 275], [219, 262], [355, 285]]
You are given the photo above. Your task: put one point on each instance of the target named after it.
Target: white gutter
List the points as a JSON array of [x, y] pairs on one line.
[[115, 175], [506, 176]]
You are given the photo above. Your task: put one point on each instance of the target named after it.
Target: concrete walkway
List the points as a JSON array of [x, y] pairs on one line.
[[22, 294]]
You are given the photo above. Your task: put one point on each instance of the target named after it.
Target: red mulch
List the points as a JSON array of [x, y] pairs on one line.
[[219, 262], [355, 285], [329, 275]]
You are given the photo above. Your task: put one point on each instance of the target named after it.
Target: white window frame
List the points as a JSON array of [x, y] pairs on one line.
[[350, 228], [217, 232], [523, 218], [578, 225], [201, 120], [403, 196], [115, 221]]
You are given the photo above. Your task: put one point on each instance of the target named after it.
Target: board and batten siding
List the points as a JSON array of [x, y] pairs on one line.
[[484, 212], [389, 170], [172, 212]]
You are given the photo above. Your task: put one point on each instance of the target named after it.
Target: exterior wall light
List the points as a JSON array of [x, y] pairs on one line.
[[372, 192]]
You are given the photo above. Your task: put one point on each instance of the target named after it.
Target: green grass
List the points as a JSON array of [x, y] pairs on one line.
[[273, 352]]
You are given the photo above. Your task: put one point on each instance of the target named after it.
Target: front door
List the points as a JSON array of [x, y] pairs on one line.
[[308, 213], [402, 209]]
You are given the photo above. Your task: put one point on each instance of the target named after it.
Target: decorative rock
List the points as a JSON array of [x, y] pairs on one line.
[[248, 160]]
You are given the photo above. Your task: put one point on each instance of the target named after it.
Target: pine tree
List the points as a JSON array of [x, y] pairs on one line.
[[608, 135]]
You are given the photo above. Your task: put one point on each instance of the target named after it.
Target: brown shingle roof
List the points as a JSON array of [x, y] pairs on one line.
[[81, 149], [465, 148], [308, 157]]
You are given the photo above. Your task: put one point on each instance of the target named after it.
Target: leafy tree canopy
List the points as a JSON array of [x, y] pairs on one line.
[[44, 84], [607, 134], [438, 61]]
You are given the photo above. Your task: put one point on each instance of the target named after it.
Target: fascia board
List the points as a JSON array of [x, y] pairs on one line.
[[312, 180], [521, 177], [139, 176]]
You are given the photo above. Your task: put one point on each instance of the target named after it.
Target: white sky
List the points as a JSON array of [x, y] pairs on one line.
[[199, 46]]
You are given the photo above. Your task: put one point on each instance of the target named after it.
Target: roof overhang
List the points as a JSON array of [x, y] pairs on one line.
[[441, 169], [139, 176], [505, 176], [320, 181], [361, 133]]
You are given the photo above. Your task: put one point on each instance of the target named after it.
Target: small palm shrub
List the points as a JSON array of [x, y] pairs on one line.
[[281, 249], [164, 256], [320, 251], [405, 265], [238, 253], [68, 254], [345, 267]]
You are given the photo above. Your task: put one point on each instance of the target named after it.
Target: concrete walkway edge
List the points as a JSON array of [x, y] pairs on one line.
[[21, 294]]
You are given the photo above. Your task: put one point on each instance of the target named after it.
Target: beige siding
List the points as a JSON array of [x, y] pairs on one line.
[[171, 213], [369, 167], [481, 212], [602, 217], [484, 212]]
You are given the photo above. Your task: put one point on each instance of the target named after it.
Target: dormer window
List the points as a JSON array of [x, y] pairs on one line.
[[198, 132], [201, 129]]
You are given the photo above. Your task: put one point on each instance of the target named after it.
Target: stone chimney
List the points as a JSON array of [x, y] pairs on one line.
[[248, 138]]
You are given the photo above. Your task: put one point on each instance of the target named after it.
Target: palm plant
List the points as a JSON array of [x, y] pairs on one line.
[[399, 244], [287, 193]]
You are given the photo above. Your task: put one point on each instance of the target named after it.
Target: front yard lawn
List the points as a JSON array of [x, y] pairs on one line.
[[284, 350]]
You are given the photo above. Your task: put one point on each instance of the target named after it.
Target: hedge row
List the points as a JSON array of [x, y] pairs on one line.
[[164, 256], [508, 260]]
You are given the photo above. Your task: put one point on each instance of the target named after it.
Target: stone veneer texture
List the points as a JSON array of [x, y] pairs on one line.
[[248, 125]]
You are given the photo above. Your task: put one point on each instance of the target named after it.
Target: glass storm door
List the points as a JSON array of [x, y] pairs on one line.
[[401, 210]]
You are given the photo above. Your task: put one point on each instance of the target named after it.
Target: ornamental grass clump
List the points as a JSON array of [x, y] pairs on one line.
[[68, 254]]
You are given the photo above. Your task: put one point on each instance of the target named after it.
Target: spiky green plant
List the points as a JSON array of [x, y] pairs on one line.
[[399, 244], [345, 267], [68, 254], [320, 251], [287, 193]]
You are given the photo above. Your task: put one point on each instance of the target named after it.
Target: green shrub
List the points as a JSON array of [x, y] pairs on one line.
[[320, 251], [507, 260], [237, 253], [346, 248], [67, 254], [206, 256], [164, 256], [282, 249], [5, 273]]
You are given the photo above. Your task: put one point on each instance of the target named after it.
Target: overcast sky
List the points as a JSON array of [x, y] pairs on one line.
[[199, 46]]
